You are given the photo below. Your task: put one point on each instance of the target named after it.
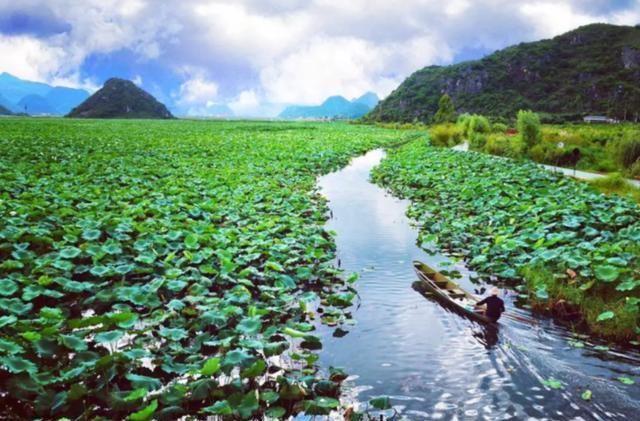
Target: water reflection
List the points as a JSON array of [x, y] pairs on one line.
[[433, 363]]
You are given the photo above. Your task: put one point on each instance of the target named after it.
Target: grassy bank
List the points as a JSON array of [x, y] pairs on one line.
[[617, 184], [512, 220]]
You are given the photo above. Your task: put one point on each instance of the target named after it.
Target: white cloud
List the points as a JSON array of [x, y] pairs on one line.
[[246, 103], [29, 58], [345, 66], [554, 18], [283, 51], [197, 91], [97, 26]]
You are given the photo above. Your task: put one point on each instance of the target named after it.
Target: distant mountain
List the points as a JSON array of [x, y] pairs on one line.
[[594, 69], [5, 111], [4, 102], [332, 107], [65, 99], [121, 98], [35, 105], [14, 89], [369, 99], [39, 98]]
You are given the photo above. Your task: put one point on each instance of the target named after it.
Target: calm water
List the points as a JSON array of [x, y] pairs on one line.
[[434, 364]]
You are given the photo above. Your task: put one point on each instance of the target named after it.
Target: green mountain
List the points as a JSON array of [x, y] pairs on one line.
[[121, 98], [594, 69], [39, 98], [333, 107]]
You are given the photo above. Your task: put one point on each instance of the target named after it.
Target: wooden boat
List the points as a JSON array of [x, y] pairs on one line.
[[434, 284]]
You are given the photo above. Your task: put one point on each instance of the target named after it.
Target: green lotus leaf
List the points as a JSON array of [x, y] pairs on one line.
[[249, 326], [276, 412], [607, 315], [100, 270], [63, 265], [136, 395], [237, 358], [218, 408], [7, 320], [275, 266], [607, 273], [125, 320], [15, 306], [542, 294], [18, 365], [552, 383], [70, 252], [8, 287], [191, 242], [74, 343], [145, 413], [248, 405], [341, 299], [211, 366], [254, 370], [628, 285], [108, 337], [174, 334], [10, 347], [91, 234], [51, 313], [144, 382], [269, 396]]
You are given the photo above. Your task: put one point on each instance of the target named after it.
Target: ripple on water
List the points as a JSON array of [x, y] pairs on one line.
[[436, 364]]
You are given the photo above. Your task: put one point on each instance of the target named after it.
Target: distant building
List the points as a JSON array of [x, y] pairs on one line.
[[599, 119]]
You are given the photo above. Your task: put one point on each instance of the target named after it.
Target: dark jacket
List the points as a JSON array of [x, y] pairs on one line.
[[495, 307]]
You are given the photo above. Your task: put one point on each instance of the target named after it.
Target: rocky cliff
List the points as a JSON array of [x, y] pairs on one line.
[[594, 69]]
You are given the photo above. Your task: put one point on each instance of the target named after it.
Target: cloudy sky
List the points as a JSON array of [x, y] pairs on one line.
[[258, 55]]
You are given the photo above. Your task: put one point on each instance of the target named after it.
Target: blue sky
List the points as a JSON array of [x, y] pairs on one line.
[[258, 56]]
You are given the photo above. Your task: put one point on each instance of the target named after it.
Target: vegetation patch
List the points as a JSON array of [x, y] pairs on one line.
[[506, 217], [163, 269]]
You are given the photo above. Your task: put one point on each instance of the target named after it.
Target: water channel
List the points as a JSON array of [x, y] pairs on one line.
[[434, 364]]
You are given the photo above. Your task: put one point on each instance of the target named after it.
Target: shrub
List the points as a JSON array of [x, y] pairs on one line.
[[500, 128], [629, 152], [502, 145], [463, 122], [611, 182], [444, 135], [529, 128], [446, 112], [478, 141], [479, 124]]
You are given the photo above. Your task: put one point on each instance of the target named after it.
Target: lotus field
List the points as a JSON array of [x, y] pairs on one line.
[[518, 222], [158, 269]]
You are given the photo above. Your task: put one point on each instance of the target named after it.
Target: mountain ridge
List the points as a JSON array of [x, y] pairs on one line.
[[335, 106], [121, 98], [38, 97], [594, 69]]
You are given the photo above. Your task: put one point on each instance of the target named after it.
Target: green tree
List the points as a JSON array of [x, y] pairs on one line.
[[529, 128], [446, 112]]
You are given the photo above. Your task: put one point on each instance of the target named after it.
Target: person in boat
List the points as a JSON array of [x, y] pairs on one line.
[[493, 305]]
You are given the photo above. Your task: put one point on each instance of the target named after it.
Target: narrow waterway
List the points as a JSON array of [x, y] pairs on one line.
[[434, 364]]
